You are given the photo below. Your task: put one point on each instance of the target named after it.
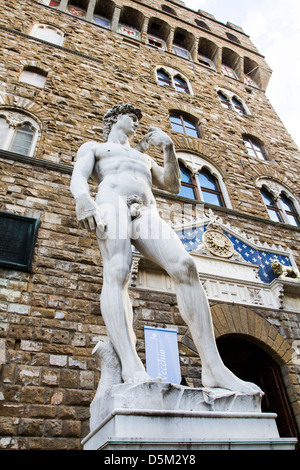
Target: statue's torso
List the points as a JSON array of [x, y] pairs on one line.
[[123, 171]]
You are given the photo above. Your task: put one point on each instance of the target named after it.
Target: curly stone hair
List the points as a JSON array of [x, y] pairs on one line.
[[112, 115]]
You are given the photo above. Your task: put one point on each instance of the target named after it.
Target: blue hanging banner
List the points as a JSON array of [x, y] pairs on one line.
[[162, 356]]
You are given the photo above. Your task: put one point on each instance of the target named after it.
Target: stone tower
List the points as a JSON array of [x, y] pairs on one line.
[[65, 63]]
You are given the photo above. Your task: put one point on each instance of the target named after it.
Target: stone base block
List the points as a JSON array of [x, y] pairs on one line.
[[137, 429], [163, 416], [156, 395]]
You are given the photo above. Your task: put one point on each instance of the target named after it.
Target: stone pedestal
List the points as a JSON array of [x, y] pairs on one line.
[[159, 416]]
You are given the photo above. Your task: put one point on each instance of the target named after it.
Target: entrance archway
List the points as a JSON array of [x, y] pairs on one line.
[[250, 362]]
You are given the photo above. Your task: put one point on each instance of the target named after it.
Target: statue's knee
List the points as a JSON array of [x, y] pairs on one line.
[[185, 270], [117, 271]]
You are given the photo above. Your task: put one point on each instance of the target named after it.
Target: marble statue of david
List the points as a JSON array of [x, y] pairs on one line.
[[124, 214]]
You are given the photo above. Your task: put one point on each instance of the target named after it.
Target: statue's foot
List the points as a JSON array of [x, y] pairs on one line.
[[137, 377], [222, 377]]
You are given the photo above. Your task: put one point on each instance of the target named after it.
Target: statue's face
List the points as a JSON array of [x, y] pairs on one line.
[[127, 123]]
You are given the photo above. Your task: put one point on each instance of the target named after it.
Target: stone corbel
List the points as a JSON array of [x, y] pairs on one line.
[[63, 5], [90, 10], [170, 40], [144, 30], [116, 18]]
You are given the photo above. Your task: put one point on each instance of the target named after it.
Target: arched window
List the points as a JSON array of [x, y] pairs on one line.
[[225, 102], [163, 78], [33, 76], [202, 24], [131, 22], [22, 139], [254, 148], [207, 53], [273, 209], [188, 183], [168, 10], [200, 181], [289, 211], [231, 101], [233, 38], [158, 33], [282, 208], [251, 73], [48, 33], [180, 84], [18, 132], [183, 43], [230, 63], [170, 77], [184, 125], [210, 189], [238, 106]]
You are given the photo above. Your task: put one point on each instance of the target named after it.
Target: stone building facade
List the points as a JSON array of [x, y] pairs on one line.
[[203, 82]]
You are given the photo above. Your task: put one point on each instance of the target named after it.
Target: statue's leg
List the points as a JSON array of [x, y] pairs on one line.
[[116, 307], [163, 246]]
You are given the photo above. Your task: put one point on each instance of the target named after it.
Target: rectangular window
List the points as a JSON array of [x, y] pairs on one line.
[[212, 198], [206, 61], [192, 131], [33, 78], [50, 3], [176, 124], [248, 80], [181, 52], [22, 140], [187, 191], [101, 21], [129, 31], [75, 11], [157, 42], [49, 34], [228, 71], [17, 240]]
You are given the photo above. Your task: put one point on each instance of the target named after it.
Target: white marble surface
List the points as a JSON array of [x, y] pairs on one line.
[[123, 214], [186, 430], [156, 395]]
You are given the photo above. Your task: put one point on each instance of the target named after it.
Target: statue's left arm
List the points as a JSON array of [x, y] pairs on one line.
[[167, 177]]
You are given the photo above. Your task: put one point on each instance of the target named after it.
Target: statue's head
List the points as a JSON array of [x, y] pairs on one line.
[[112, 115]]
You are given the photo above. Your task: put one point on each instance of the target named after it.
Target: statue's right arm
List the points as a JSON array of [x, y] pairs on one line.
[[86, 209]]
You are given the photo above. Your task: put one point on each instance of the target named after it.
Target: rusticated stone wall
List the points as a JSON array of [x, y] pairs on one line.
[[50, 318]]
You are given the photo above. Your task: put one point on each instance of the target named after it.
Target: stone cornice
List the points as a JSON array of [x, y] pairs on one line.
[[4, 154]]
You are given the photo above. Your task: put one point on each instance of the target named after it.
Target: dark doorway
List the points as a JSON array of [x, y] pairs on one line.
[[249, 362]]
